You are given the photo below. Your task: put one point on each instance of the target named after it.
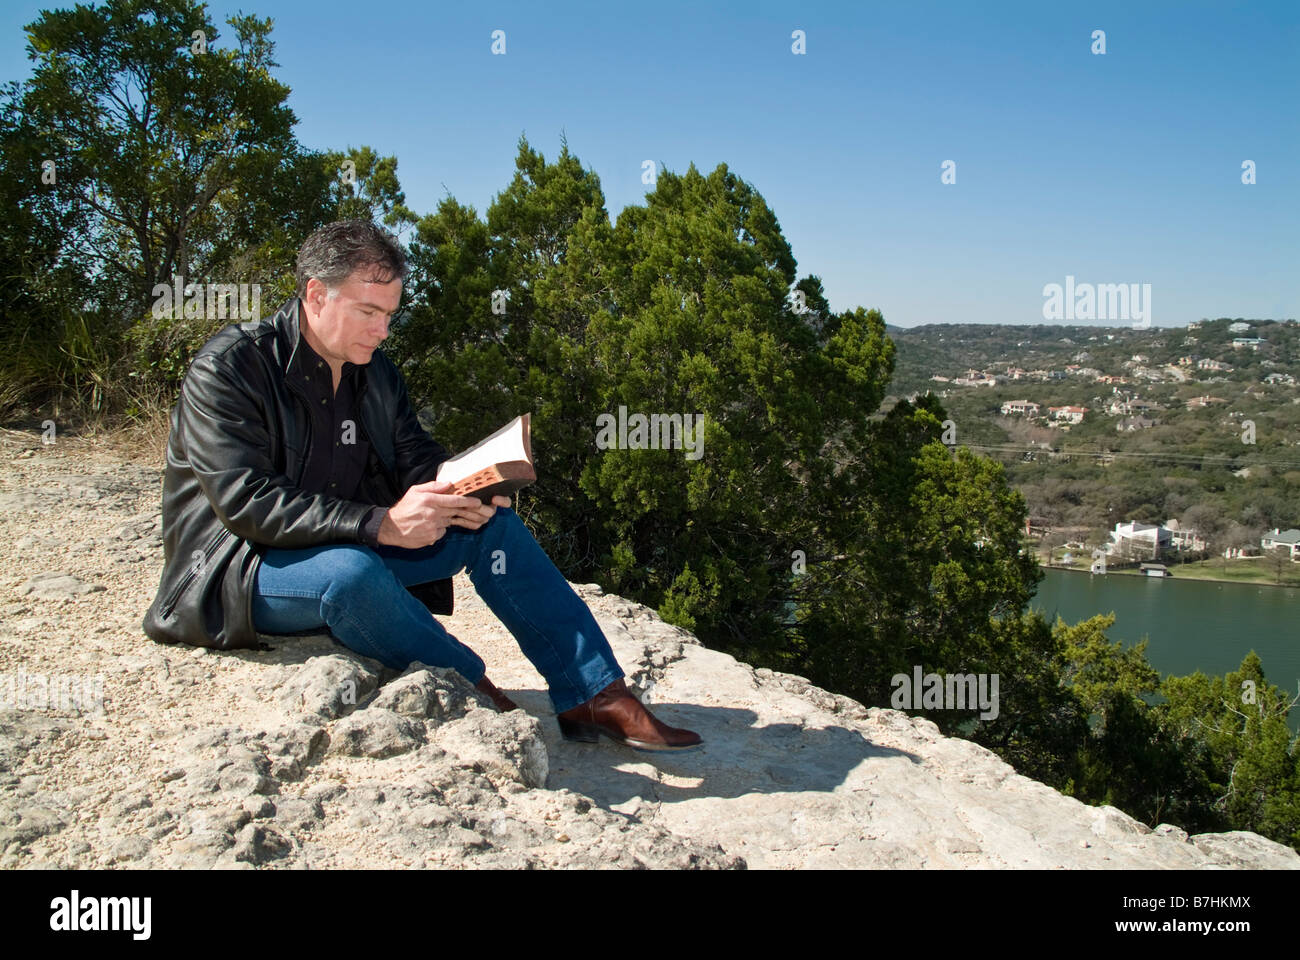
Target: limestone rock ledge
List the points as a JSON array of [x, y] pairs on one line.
[[310, 756]]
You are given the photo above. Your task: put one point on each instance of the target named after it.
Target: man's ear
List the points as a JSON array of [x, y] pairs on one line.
[[311, 295], [315, 295]]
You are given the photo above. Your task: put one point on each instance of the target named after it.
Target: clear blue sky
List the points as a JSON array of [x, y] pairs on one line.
[[1122, 168]]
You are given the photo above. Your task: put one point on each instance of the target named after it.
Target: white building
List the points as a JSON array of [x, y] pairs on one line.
[[1068, 414], [1290, 539], [1021, 407], [1181, 539], [1149, 539]]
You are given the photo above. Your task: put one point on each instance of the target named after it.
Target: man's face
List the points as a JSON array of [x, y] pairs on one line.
[[350, 326]]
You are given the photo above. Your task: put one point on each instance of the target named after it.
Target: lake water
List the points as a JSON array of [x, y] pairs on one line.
[[1191, 624]]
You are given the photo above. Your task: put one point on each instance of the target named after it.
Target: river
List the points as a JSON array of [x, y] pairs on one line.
[[1191, 624]]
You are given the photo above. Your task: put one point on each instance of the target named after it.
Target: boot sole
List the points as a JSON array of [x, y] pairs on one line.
[[576, 732]]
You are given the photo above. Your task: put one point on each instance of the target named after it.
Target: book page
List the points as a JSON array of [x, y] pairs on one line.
[[510, 443]]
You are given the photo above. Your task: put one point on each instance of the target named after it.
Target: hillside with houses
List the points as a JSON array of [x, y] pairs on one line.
[[1174, 447]]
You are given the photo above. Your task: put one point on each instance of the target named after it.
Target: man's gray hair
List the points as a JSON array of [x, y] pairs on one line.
[[336, 250]]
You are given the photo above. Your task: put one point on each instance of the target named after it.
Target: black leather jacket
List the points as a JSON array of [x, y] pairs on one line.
[[239, 442]]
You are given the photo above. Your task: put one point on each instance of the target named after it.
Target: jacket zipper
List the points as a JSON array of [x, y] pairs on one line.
[[190, 574]]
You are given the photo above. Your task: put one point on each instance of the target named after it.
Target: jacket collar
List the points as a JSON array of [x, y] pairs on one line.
[[288, 329]]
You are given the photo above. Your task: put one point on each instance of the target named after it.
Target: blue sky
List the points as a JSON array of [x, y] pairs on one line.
[[1118, 168]]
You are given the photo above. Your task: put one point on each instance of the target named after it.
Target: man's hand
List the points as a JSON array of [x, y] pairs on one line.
[[425, 512]]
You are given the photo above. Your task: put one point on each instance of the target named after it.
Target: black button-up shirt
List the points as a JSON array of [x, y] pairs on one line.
[[338, 450]]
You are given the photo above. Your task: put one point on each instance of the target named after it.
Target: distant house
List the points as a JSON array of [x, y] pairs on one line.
[[1194, 325], [1206, 363], [1280, 378], [1240, 343], [1139, 358], [1068, 414], [1238, 327], [1149, 538], [1121, 407], [976, 378], [1129, 424], [1020, 407], [1281, 538], [1203, 401], [1155, 570], [1181, 539]]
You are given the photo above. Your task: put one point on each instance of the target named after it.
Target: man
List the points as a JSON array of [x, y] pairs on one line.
[[299, 494]]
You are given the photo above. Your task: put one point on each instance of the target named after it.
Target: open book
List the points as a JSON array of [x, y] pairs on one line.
[[497, 465]]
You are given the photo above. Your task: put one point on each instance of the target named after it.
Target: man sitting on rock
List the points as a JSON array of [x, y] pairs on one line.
[[299, 494]]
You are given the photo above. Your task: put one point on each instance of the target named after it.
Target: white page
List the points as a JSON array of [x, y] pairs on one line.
[[507, 445]]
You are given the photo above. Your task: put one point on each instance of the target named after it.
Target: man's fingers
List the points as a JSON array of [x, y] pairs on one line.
[[432, 486], [454, 502], [470, 523], [442, 488]]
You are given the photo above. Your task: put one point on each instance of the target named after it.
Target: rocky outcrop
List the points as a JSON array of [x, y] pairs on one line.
[[308, 755]]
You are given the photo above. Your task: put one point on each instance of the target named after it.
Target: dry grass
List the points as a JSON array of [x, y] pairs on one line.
[[143, 438], [140, 436]]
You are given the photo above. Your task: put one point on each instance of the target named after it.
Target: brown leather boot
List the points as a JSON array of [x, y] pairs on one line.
[[620, 716], [504, 703]]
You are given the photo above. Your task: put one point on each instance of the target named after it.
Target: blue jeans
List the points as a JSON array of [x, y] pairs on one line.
[[360, 594]]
